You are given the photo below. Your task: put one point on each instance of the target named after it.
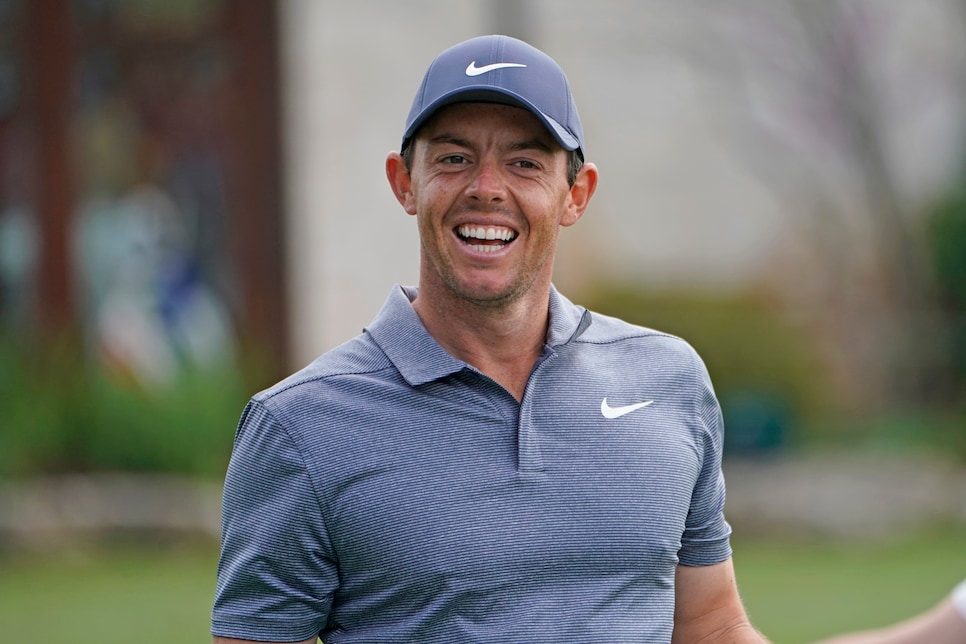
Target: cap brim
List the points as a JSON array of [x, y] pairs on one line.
[[490, 94]]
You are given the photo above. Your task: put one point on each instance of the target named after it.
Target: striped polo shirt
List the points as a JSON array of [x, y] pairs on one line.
[[389, 492]]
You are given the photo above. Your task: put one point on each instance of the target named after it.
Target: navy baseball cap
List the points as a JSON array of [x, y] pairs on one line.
[[499, 69]]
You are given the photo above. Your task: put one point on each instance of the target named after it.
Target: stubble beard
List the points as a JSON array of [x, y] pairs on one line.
[[507, 296]]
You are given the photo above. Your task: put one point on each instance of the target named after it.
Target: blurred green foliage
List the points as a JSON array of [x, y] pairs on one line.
[[61, 414], [764, 372], [947, 246]]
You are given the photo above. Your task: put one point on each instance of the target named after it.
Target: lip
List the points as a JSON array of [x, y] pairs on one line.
[[485, 240]]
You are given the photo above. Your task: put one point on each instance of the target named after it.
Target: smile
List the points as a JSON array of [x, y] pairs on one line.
[[494, 238]]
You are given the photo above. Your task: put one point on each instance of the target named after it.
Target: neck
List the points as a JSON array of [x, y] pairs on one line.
[[503, 342]]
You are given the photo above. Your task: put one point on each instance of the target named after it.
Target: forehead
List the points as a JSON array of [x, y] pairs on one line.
[[487, 119]]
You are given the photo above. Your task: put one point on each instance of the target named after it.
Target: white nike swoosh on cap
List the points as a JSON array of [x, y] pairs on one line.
[[616, 412], [473, 70]]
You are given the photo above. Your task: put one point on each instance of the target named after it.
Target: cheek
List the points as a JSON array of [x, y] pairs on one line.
[[551, 213], [429, 197], [429, 230]]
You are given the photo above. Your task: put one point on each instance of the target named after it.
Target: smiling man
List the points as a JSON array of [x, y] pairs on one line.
[[487, 461]]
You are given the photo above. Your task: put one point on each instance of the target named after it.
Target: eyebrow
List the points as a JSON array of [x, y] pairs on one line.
[[532, 144], [449, 138], [528, 144]]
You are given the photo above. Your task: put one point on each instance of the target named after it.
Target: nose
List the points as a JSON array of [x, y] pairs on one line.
[[487, 184]]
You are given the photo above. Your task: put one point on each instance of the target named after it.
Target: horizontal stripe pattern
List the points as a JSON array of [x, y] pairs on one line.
[[391, 493]]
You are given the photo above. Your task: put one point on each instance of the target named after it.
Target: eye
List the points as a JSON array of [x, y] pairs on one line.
[[526, 164], [454, 159]]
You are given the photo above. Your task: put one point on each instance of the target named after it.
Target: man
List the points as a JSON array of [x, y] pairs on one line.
[[943, 623], [486, 462]]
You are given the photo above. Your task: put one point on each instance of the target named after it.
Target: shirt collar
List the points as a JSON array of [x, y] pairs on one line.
[[420, 359]]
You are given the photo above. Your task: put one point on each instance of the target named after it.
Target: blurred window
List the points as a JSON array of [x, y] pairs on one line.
[[150, 220]]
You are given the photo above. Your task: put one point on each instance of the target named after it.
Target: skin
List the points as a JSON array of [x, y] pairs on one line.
[[489, 166], [494, 166], [708, 608]]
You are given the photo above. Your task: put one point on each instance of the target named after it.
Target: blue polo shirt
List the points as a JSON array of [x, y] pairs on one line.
[[389, 492]]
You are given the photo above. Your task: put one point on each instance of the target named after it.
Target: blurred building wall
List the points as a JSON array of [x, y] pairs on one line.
[[680, 104]]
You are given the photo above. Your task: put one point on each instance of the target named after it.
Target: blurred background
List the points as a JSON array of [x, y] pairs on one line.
[[193, 205]]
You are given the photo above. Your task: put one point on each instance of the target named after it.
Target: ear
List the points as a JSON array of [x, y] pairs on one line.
[[400, 181], [583, 189]]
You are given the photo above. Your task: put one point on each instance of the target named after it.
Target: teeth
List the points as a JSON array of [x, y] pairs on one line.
[[474, 232], [485, 249]]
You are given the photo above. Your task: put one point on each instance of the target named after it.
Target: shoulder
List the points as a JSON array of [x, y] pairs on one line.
[[357, 358], [665, 361], [640, 341]]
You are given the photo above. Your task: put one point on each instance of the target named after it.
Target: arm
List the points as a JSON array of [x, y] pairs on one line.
[[707, 607], [275, 576], [941, 624]]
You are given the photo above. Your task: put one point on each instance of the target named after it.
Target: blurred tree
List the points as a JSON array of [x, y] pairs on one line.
[[948, 243], [818, 100]]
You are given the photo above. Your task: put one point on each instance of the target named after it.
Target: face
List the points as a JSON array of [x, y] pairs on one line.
[[488, 186]]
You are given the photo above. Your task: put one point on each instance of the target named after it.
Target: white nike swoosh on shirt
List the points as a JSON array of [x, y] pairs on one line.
[[473, 70], [616, 412]]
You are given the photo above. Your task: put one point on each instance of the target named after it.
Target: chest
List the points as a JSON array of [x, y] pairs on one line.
[[448, 487]]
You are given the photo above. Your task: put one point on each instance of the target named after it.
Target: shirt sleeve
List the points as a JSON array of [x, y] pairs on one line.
[[706, 538], [959, 599], [276, 574]]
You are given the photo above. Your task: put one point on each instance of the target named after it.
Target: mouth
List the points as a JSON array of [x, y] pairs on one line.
[[486, 239]]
